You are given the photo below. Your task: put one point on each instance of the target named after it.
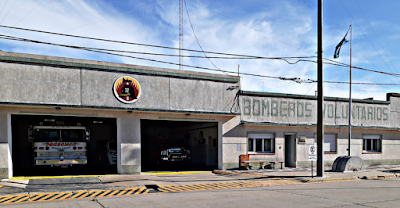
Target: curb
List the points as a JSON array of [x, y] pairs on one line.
[[317, 180], [53, 177], [175, 172], [230, 173], [379, 176], [328, 180]]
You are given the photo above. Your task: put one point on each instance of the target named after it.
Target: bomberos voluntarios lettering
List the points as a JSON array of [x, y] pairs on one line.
[[50, 144], [284, 108]]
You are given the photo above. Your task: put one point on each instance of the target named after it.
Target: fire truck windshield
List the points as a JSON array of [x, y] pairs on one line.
[[46, 135], [72, 135], [58, 135]]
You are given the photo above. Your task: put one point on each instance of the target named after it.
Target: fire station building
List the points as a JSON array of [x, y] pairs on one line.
[[149, 119]]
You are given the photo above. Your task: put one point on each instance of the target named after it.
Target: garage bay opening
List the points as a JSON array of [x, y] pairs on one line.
[[63, 145], [178, 145]]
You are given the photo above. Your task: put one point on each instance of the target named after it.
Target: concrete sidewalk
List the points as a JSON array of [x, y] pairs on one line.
[[304, 174], [73, 183]]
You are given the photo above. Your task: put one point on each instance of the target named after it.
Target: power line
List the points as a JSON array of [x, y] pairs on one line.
[[142, 23], [191, 25], [8, 11], [360, 68], [130, 43], [251, 28], [26, 15], [148, 28], [172, 15], [242, 56], [157, 2], [3, 7], [295, 79], [124, 42], [367, 39], [376, 36], [353, 47]]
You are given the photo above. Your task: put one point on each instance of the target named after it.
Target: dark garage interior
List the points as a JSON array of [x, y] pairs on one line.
[[200, 138], [103, 138]]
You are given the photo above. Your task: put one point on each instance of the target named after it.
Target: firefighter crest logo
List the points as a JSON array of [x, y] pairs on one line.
[[127, 89]]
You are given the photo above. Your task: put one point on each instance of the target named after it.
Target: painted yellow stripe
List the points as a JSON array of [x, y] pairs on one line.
[[51, 177], [63, 196], [120, 192], [12, 198], [19, 200], [106, 193], [183, 172], [40, 197], [132, 191], [79, 194], [142, 191]]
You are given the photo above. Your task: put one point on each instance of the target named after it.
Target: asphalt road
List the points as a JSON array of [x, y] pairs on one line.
[[360, 193]]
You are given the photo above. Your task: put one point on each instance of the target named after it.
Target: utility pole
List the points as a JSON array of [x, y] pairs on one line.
[[351, 40], [320, 105]]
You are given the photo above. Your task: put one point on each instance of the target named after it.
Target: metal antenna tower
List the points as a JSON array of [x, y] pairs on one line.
[[180, 34]]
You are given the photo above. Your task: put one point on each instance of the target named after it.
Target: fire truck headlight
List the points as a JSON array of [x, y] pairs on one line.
[[42, 154], [79, 154]]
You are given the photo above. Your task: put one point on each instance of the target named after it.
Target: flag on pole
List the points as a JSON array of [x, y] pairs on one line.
[[337, 49]]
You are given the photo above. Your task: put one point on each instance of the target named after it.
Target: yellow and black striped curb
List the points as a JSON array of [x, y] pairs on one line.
[[225, 185], [59, 196]]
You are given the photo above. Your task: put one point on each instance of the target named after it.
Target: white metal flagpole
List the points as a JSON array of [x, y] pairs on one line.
[[351, 39]]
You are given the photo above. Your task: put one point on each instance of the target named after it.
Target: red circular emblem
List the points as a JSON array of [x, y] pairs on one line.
[[127, 89]]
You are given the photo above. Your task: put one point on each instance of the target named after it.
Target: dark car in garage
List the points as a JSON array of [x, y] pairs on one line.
[[173, 155]]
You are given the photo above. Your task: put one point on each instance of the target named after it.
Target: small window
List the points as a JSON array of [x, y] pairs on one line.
[[329, 142], [259, 145], [263, 143], [372, 143], [250, 145], [267, 145]]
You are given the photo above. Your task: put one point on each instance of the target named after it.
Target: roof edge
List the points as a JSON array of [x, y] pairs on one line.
[[110, 66], [120, 108], [309, 97]]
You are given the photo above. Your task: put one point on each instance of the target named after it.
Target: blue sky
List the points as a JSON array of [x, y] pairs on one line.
[[273, 28]]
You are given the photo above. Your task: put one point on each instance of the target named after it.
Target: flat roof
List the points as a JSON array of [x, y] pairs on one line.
[[110, 66]]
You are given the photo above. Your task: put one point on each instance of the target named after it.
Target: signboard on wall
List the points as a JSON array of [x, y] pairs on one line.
[[304, 111], [127, 89]]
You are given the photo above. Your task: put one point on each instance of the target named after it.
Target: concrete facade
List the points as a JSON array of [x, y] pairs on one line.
[[42, 85], [285, 114]]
